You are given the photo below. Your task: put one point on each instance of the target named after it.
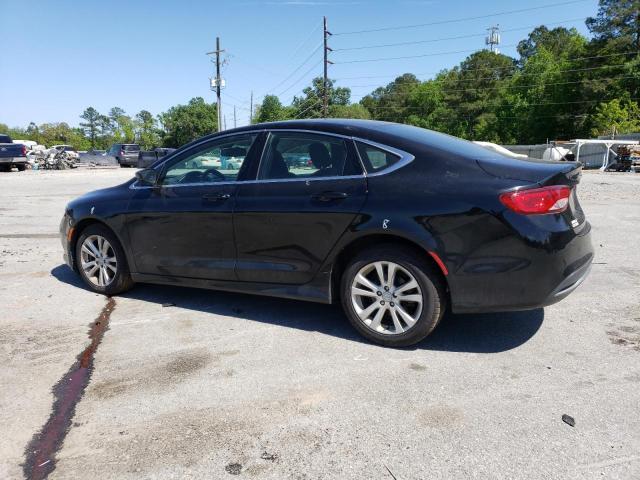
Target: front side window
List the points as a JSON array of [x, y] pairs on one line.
[[375, 159], [306, 155], [218, 161]]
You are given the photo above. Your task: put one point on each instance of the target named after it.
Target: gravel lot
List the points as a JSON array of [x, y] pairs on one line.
[[223, 384]]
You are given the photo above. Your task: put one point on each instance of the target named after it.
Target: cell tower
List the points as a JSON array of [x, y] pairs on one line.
[[493, 39]]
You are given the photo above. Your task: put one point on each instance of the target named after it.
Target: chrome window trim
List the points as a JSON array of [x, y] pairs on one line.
[[405, 159]]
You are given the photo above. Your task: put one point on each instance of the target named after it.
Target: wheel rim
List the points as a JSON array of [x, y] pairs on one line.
[[386, 297], [98, 260]]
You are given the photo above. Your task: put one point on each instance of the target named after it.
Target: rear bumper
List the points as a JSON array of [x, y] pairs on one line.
[[12, 160], [535, 275]]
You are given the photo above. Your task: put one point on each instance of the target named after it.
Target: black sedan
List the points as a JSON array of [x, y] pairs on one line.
[[396, 222]]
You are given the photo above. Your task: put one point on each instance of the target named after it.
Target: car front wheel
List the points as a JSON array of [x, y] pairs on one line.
[[101, 261], [392, 296]]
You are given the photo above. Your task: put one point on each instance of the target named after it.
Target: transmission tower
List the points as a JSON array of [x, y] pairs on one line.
[[493, 38]]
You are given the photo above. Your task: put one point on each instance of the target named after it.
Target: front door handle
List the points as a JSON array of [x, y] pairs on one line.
[[329, 196], [215, 197]]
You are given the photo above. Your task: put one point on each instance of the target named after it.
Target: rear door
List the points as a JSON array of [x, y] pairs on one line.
[[309, 189]]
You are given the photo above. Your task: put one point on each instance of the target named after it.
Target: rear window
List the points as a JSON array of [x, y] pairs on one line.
[[131, 148], [5, 139], [375, 159]]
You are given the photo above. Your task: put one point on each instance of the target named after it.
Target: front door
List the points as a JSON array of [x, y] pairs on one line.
[[184, 227], [309, 189]]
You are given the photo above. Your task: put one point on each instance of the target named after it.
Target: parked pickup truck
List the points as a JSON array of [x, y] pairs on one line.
[[12, 154]]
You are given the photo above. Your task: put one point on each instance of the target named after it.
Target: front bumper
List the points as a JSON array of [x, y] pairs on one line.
[[66, 233]]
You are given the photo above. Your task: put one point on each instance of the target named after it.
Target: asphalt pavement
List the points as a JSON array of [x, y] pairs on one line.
[[188, 383]]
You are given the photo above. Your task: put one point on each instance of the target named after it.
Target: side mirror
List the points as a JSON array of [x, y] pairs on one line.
[[148, 177]]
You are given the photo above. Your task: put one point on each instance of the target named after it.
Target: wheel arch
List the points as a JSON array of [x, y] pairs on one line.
[[367, 241], [81, 226]]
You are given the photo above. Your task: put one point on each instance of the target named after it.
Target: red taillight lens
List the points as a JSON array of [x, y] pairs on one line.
[[537, 201], [24, 150], [121, 152]]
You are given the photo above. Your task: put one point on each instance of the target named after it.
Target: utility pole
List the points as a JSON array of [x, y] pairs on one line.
[[217, 83], [325, 80], [235, 125], [251, 109]]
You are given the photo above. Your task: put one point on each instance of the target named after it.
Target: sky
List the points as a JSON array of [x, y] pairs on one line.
[[60, 57]]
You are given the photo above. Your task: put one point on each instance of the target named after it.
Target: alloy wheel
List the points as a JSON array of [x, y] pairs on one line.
[[98, 260], [386, 297]]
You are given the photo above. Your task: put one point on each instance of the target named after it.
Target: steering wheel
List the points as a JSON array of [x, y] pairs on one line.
[[212, 175]]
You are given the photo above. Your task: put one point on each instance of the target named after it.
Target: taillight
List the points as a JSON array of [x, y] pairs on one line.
[[537, 201], [121, 152], [24, 150]]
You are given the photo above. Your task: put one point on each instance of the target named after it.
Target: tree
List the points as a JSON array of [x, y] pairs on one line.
[[270, 110], [349, 111], [184, 123], [91, 124], [147, 133], [558, 41], [390, 102], [616, 116], [309, 105], [617, 25]]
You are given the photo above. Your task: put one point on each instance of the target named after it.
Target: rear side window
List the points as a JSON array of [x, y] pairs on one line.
[[306, 155], [375, 159]]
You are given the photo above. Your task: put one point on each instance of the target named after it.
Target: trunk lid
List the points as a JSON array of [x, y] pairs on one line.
[[533, 171]]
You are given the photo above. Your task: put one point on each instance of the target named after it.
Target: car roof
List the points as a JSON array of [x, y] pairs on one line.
[[400, 136]]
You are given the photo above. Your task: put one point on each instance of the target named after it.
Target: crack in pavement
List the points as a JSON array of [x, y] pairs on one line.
[[40, 454]]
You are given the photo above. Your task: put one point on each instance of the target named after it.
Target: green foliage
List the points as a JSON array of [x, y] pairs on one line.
[[270, 110], [562, 86], [91, 124], [184, 123], [615, 117]]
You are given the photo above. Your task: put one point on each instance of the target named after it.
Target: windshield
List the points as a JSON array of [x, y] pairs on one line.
[[131, 148], [5, 139]]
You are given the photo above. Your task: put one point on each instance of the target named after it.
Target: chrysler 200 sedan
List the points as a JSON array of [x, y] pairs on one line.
[[397, 223]]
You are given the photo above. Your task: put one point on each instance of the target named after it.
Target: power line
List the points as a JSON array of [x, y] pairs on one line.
[[509, 87], [384, 59], [297, 69], [496, 69], [293, 55], [521, 74], [464, 19], [497, 105], [300, 78], [458, 37], [317, 102]]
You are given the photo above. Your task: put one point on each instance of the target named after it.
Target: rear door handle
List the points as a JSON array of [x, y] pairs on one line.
[[215, 197], [329, 196]]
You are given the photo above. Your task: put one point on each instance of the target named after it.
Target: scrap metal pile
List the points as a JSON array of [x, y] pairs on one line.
[[54, 158]]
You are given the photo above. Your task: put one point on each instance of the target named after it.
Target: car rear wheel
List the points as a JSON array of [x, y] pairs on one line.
[[391, 296], [101, 261], [21, 167]]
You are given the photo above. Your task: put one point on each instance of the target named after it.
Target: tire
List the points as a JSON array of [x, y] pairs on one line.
[[121, 280], [21, 167], [122, 165], [425, 314]]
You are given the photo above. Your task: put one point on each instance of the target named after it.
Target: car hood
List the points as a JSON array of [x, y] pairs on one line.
[[109, 194]]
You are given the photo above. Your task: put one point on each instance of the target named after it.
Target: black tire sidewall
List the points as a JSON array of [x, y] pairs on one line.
[[122, 280], [433, 291]]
